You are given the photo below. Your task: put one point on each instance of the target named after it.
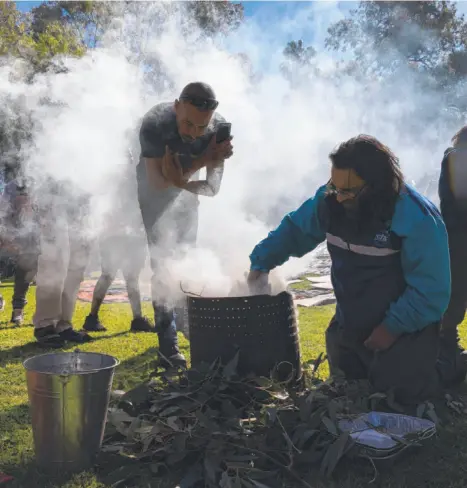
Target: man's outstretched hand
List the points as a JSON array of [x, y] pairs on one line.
[[380, 339], [258, 282]]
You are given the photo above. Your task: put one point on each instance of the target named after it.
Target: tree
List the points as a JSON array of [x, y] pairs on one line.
[[214, 18], [14, 37], [298, 64], [36, 38], [86, 21], [388, 41], [383, 37]]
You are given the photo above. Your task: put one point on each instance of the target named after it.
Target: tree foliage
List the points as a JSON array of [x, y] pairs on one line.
[[299, 62], [38, 37], [86, 21], [382, 37], [216, 17]]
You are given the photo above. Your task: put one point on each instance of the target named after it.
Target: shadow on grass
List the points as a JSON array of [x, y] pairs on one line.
[[21, 353]]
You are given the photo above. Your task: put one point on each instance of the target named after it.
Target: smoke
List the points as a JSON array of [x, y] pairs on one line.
[[86, 119]]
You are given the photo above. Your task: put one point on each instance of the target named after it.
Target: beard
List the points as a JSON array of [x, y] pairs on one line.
[[356, 214]]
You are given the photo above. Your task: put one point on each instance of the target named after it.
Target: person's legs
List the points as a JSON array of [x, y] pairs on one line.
[[455, 312], [109, 267], [51, 273], [26, 269], [345, 360], [187, 219], [133, 259], [152, 212], [408, 368], [452, 364], [80, 248]]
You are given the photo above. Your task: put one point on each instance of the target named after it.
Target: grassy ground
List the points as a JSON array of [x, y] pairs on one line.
[[443, 463]]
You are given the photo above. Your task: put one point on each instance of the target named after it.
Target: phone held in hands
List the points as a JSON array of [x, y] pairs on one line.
[[223, 132]]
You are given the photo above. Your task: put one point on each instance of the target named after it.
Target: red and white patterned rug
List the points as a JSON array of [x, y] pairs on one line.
[[116, 294]]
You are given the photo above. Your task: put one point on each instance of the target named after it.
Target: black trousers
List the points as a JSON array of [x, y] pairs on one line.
[[408, 367], [455, 312]]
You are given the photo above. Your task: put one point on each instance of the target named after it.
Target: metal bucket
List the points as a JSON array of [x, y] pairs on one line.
[[69, 395]]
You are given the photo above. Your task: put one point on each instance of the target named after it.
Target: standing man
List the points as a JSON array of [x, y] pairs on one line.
[[452, 191], [389, 269], [177, 140]]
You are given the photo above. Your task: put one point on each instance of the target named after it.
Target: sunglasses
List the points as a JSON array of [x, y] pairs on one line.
[[347, 193], [203, 104]]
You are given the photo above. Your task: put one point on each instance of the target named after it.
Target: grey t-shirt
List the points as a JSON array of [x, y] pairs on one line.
[[159, 129]]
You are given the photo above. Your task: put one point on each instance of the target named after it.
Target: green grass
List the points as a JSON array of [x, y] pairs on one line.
[[301, 285], [442, 463]]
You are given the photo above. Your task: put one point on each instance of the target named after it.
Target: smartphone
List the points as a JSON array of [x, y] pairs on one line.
[[223, 132]]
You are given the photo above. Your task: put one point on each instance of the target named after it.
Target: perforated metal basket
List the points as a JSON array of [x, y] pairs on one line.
[[263, 328]]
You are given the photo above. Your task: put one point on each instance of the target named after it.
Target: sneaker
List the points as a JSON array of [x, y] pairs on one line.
[[47, 337], [93, 324], [2, 303], [17, 317], [72, 335], [169, 352], [141, 324]]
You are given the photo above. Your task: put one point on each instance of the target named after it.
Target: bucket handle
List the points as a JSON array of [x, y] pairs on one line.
[[190, 293]]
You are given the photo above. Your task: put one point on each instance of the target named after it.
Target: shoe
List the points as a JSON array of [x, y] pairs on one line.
[[175, 361], [17, 316], [141, 324], [71, 335], [47, 337], [169, 352], [2, 304], [93, 324]]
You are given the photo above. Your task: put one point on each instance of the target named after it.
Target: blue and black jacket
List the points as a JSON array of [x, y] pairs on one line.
[[397, 273]]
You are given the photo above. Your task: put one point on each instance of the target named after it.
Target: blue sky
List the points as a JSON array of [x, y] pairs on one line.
[[269, 25]]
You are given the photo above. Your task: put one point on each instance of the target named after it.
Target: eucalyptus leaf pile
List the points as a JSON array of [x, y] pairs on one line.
[[207, 427]]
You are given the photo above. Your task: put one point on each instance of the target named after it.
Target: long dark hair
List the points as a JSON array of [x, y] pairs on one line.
[[378, 166], [460, 137]]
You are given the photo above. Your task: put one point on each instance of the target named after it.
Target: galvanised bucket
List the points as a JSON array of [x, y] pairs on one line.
[[69, 395]]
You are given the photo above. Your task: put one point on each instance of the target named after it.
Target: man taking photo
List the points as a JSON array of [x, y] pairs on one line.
[[177, 140]]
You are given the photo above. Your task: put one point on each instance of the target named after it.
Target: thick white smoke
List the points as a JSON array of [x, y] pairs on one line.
[[281, 136]]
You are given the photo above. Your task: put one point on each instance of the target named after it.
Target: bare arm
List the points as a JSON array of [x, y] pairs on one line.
[[154, 173], [211, 185]]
